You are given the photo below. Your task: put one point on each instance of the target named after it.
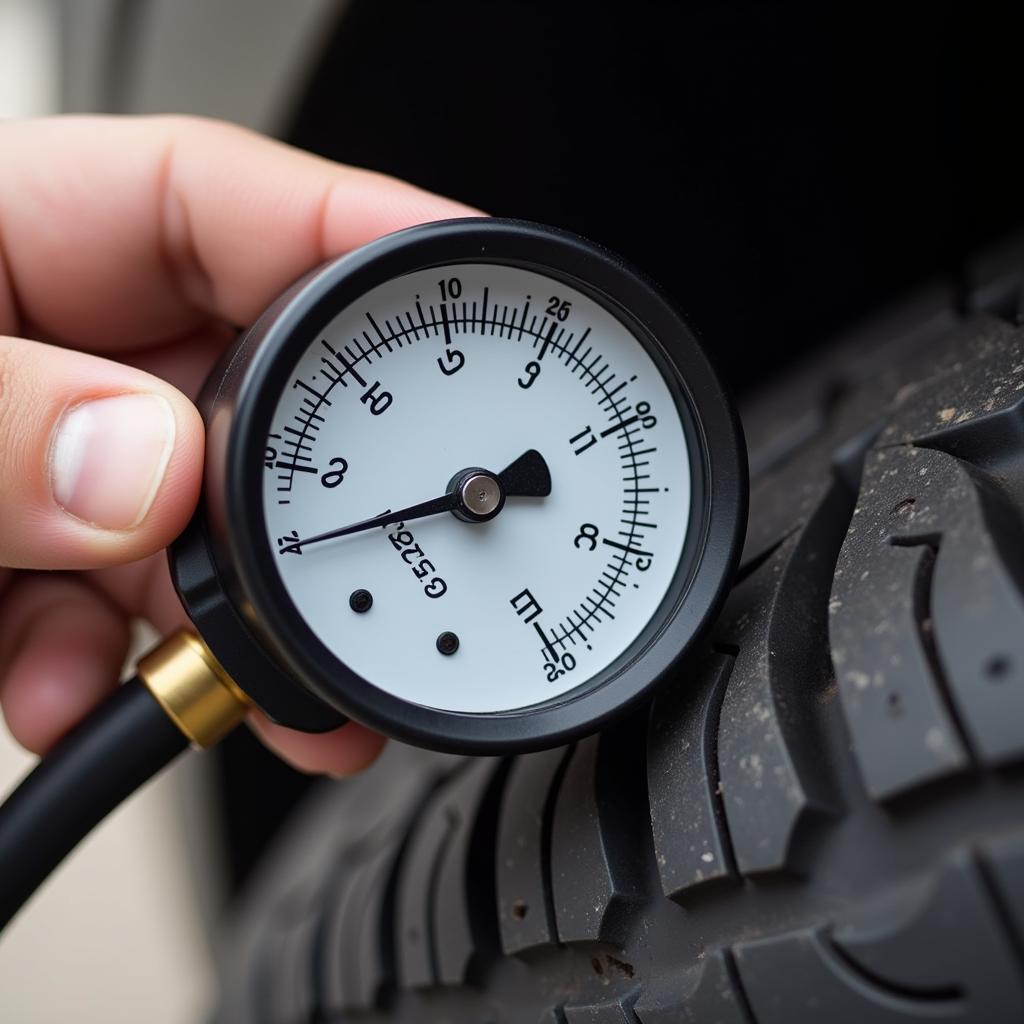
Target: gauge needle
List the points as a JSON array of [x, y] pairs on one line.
[[475, 495]]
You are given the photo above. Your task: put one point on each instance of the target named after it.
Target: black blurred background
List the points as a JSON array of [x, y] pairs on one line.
[[782, 169]]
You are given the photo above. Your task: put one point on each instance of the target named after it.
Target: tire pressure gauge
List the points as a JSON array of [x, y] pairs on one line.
[[474, 485]]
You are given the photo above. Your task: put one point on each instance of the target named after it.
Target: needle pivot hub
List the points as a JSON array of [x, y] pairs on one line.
[[481, 496]]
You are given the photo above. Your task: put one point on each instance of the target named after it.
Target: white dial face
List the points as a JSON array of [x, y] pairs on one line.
[[461, 367]]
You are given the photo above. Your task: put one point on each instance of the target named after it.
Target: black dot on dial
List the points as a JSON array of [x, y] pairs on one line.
[[360, 601], [447, 643]]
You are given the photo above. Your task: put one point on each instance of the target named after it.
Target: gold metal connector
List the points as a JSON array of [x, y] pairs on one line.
[[191, 686]]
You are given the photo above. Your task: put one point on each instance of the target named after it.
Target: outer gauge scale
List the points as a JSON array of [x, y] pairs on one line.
[[474, 485]]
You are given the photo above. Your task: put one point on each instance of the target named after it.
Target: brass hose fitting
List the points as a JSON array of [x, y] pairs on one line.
[[193, 689]]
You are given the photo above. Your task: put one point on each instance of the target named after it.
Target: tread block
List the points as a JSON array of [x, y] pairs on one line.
[[962, 400], [690, 840], [949, 959], [978, 613], [525, 914], [770, 762], [353, 965], [974, 605], [882, 651], [713, 999], [463, 909], [601, 850]]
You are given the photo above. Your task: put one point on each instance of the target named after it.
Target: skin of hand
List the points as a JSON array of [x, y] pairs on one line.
[[131, 251]]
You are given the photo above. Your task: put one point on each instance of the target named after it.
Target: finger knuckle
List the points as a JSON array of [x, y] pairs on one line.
[[191, 126]]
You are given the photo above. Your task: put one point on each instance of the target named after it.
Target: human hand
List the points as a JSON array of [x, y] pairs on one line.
[[148, 240]]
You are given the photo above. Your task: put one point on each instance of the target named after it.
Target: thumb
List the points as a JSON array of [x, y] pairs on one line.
[[100, 463]]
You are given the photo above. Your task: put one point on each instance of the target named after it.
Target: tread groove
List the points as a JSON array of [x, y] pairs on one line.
[[732, 972], [1014, 938], [451, 824], [949, 994], [747, 568], [387, 916], [546, 832], [692, 845], [712, 726]]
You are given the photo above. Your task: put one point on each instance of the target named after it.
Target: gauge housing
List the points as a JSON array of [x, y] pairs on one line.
[[223, 568]]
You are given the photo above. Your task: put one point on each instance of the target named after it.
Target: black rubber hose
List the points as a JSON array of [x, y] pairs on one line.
[[103, 760]]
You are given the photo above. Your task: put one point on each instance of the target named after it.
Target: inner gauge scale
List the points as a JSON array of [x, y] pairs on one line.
[[475, 485]]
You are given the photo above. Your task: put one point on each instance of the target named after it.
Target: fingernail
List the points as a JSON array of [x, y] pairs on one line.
[[109, 457]]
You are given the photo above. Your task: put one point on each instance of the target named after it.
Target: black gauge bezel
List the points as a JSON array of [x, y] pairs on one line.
[[717, 464]]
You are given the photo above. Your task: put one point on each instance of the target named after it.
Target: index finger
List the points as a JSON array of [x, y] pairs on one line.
[[118, 232]]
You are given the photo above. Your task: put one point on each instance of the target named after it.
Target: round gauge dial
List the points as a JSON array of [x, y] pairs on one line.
[[423, 381], [475, 485]]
